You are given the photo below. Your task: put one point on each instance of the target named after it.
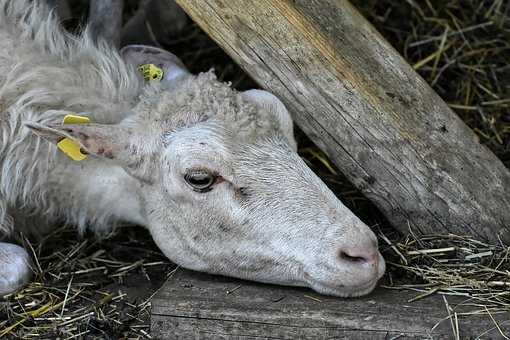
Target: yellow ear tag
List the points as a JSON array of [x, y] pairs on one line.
[[151, 72], [68, 146]]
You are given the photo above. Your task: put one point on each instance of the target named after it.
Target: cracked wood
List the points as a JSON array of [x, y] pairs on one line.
[[382, 125], [194, 305]]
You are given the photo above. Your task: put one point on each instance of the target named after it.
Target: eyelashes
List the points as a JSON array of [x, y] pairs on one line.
[[200, 180]]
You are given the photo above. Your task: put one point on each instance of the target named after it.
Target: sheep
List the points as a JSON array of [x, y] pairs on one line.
[[212, 173]]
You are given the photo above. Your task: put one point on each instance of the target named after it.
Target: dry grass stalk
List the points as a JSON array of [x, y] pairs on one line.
[[87, 288]]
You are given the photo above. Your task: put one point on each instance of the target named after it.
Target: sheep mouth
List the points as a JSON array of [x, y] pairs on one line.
[[336, 288], [343, 290]]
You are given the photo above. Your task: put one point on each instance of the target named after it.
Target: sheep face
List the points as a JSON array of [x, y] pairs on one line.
[[222, 188], [256, 211]]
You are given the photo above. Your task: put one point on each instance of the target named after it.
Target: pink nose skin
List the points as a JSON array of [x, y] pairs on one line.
[[369, 258]]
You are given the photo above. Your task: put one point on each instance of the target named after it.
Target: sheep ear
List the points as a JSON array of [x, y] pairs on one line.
[[173, 68], [270, 103], [115, 142], [106, 141]]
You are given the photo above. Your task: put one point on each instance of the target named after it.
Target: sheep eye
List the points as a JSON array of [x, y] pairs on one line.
[[200, 180]]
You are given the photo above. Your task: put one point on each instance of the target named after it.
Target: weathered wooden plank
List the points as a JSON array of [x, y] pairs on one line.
[[374, 116], [199, 306]]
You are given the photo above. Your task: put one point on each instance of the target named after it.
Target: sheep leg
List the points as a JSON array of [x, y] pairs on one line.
[[15, 269], [105, 20], [62, 7], [156, 23]]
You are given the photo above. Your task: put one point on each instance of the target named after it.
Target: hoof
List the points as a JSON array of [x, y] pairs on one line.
[[15, 269]]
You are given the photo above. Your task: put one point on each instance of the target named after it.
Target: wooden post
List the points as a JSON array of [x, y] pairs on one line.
[[373, 115], [199, 306]]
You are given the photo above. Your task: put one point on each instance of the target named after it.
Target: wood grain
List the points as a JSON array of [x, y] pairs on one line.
[[193, 305], [373, 115]]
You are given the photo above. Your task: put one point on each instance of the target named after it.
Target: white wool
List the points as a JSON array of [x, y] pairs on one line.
[[43, 68]]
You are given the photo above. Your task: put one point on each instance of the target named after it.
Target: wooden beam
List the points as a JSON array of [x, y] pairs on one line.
[[200, 306], [373, 115]]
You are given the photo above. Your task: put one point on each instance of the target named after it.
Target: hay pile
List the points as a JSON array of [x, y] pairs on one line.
[[451, 265], [87, 287], [91, 288]]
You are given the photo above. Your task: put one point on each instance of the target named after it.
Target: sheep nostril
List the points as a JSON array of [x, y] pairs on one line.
[[354, 259], [370, 258]]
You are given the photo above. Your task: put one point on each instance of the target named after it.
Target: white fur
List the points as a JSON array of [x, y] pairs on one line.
[[14, 269], [43, 69], [267, 217]]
